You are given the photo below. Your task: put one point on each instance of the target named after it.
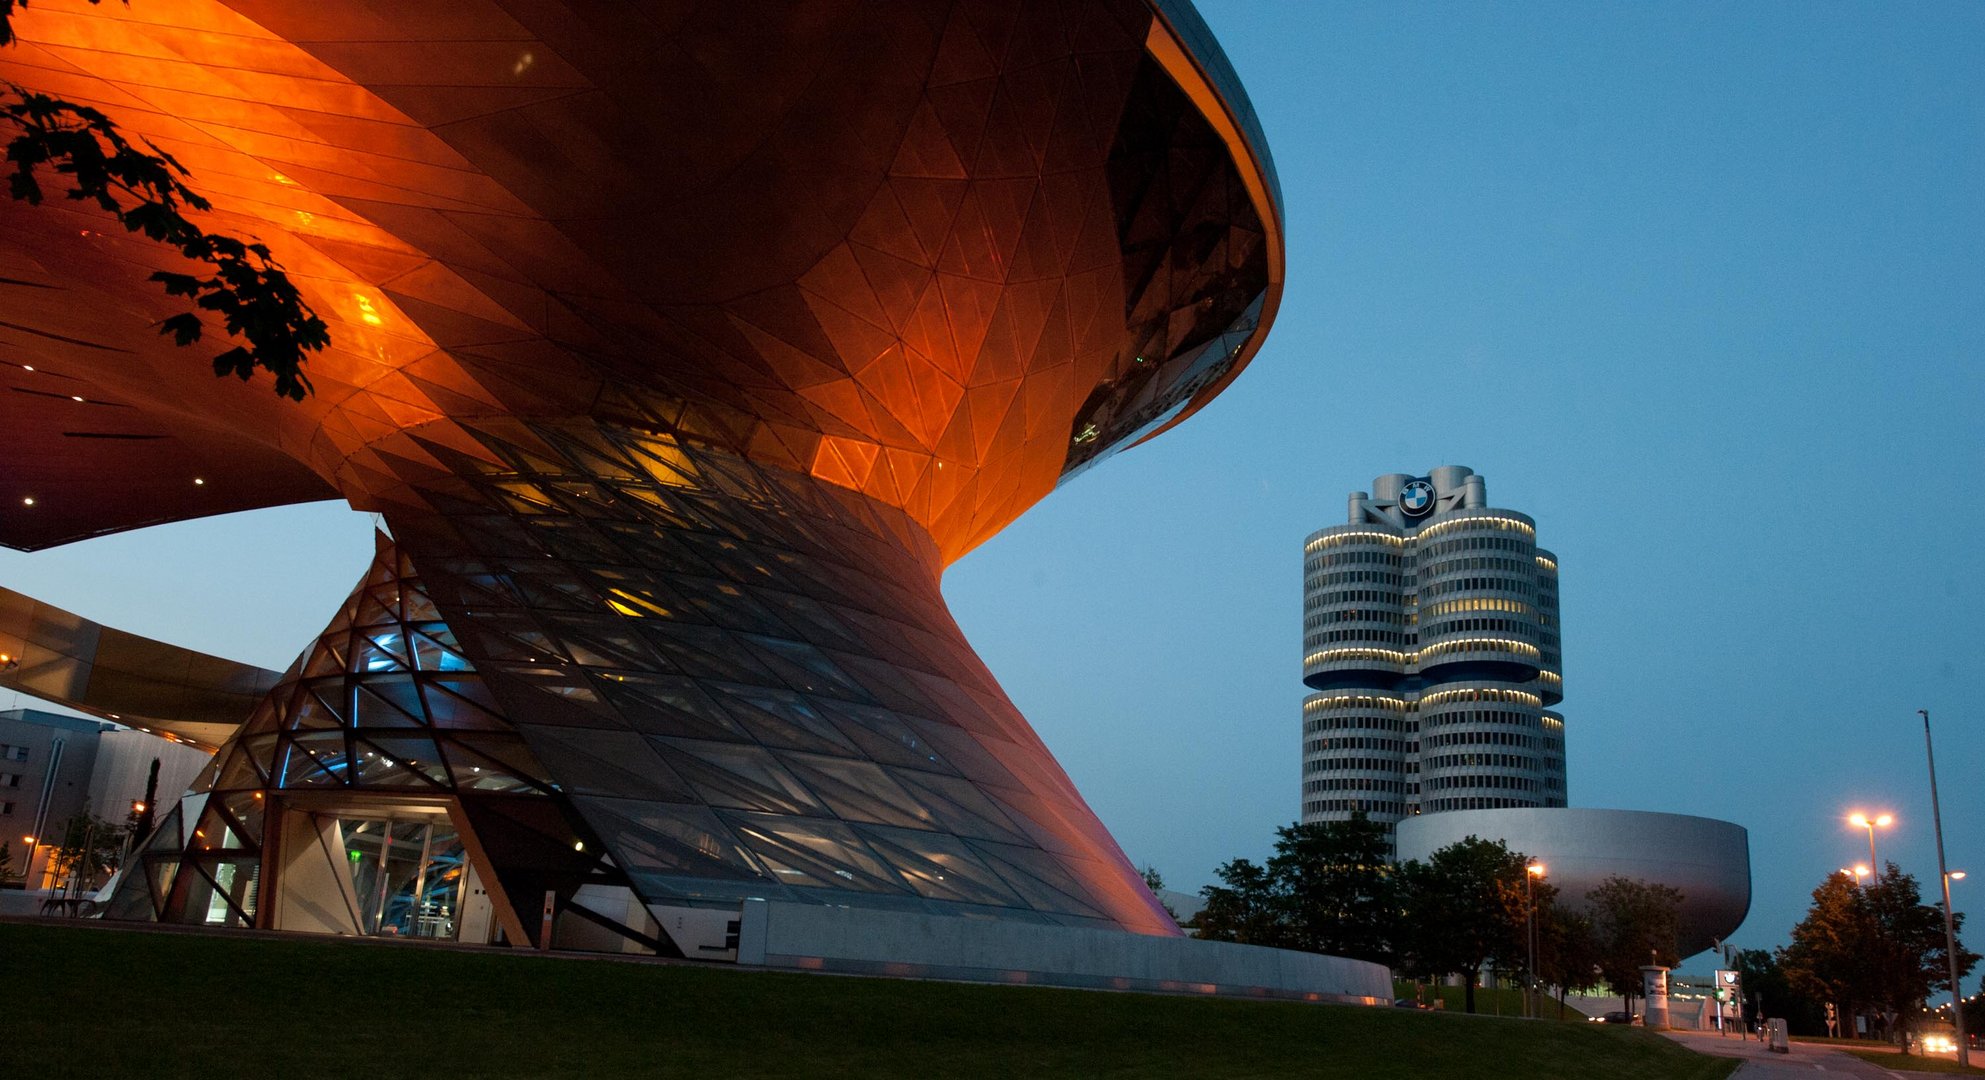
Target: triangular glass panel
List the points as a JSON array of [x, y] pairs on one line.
[[784, 719], [806, 668], [413, 763], [705, 652], [249, 765], [324, 661], [215, 832], [800, 852], [959, 807], [467, 687], [398, 691], [246, 809], [484, 762], [432, 655], [160, 871], [882, 735], [418, 607], [315, 759], [810, 619], [376, 651], [745, 777], [374, 711], [667, 705], [447, 710], [858, 791], [729, 605], [571, 540], [373, 611], [211, 901], [1037, 875], [593, 640], [311, 713], [965, 754], [549, 591], [938, 866], [667, 838], [612, 763]]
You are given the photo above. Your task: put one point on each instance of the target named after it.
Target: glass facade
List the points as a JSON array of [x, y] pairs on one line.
[[680, 673]]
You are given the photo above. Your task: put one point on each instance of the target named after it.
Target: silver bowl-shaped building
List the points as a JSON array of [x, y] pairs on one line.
[[1708, 861]]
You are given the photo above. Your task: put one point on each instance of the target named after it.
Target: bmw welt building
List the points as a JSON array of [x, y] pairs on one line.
[[677, 384]]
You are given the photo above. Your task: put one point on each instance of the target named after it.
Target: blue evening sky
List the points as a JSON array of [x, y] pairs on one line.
[[1699, 287]]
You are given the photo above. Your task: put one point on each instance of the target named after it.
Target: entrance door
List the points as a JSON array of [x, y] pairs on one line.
[[379, 872], [408, 875]]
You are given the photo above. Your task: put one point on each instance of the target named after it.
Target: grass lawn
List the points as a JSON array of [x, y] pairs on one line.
[[1498, 1002], [95, 1003], [1914, 1063], [1842, 1044]]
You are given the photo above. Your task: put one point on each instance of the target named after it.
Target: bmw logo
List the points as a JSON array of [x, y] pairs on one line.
[[1417, 499]]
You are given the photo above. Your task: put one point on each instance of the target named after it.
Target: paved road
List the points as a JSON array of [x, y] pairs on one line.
[[1805, 1062]]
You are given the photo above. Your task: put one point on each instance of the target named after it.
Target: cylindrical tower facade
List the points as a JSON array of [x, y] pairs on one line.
[[1430, 633]]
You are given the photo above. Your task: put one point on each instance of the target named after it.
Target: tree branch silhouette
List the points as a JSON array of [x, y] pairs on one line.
[[144, 189]]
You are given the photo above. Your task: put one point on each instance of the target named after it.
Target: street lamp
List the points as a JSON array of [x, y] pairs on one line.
[[1862, 821], [1532, 871], [1943, 871]]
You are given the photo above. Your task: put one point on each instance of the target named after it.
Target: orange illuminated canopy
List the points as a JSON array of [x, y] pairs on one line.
[[932, 258]]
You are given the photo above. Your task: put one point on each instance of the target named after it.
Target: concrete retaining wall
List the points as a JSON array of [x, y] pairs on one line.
[[856, 941]]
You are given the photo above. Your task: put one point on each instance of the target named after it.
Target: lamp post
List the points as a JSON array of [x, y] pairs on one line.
[[1943, 871], [1862, 821], [1531, 872]]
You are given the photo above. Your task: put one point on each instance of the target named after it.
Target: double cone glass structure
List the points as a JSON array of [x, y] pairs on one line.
[[681, 347]]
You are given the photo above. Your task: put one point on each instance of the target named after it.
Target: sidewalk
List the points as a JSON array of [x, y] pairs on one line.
[[1805, 1062]]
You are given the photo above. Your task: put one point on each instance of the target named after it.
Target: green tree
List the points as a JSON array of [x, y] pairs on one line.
[[1568, 954], [1329, 888], [1827, 959], [1769, 992], [1336, 888], [1243, 908], [1463, 907], [6, 850], [141, 819], [1894, 942], [1153, 880], [85, 850], [1637, 923], [143, 189]]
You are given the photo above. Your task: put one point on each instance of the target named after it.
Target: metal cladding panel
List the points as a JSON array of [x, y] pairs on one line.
[[1707, 860]]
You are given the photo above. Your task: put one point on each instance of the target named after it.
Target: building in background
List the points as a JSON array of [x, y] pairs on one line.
[[1430, 635], [1706, 860], [52, 767], [1431, 640]]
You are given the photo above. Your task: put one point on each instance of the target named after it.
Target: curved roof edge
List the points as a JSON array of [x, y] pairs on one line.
[[1182, 43], [135, 681]]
